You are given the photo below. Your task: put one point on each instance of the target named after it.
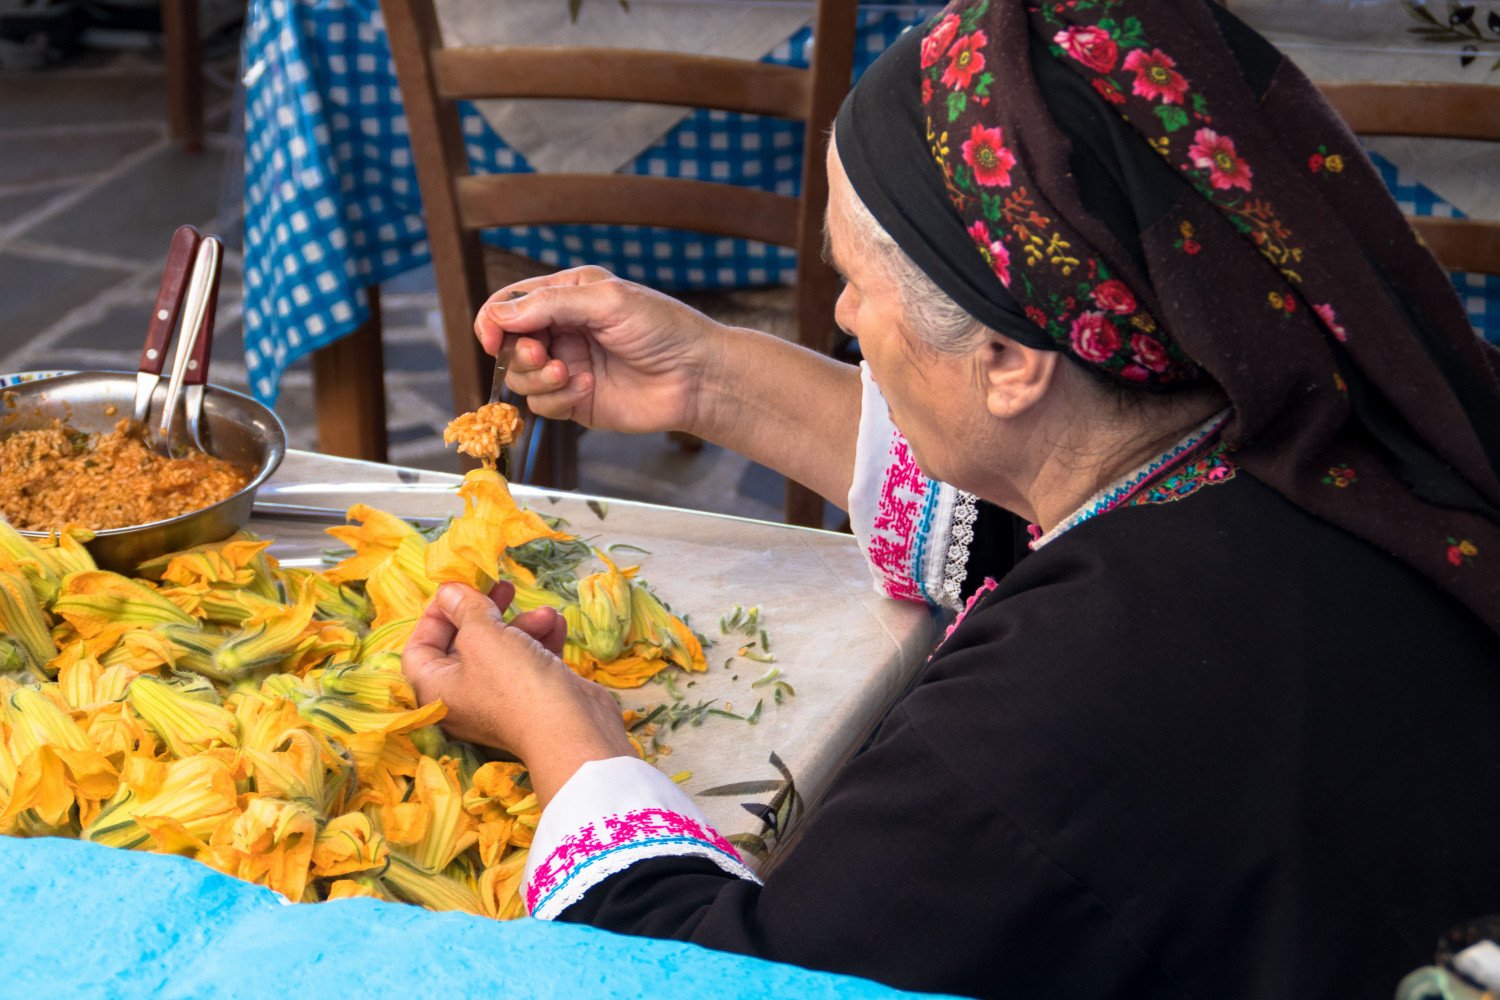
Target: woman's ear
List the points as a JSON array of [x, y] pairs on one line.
[[1014, 377]]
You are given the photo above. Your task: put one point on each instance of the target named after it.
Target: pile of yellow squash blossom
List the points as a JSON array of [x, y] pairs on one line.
[[254, 717]]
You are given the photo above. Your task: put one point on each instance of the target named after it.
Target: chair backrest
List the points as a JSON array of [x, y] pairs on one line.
[[459, 204], [1434, 111]]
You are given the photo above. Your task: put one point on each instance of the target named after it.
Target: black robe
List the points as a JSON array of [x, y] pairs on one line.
[[1213, 748]]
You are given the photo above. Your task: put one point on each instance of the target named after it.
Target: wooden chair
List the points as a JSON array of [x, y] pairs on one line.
[[459, 205], [1434, 111]]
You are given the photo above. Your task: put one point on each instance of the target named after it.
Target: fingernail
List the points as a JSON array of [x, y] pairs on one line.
[[505, 309], [448, 597]]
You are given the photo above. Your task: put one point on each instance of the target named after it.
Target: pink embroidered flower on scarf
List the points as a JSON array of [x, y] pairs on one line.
[[964, 60], [1091, 46], [1114, 296], [938, 40], [1215, 153], [1000, 262], [1107, 90], [993, 251], [1330, 320], [1149, 352], [985, 151], [1094, 337], [1155, 79]]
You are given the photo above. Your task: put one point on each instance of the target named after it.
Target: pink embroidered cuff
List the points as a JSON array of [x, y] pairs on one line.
[[915, 531], [610, 815]]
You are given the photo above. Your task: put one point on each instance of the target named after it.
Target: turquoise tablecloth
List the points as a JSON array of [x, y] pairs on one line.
[[87, 921]]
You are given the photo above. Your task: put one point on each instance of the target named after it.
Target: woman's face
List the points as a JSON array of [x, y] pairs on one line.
[[937, 400]]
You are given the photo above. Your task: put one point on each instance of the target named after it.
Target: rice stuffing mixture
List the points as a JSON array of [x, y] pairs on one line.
[[55, 476], [486, 432]]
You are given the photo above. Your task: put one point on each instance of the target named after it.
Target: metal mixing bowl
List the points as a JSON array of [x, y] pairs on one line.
[[236, 428]]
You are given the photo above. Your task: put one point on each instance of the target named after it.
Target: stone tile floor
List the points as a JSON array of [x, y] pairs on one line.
[[91, 188]]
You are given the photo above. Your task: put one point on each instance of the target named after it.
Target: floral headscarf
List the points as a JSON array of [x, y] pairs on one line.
[[1152, 188]]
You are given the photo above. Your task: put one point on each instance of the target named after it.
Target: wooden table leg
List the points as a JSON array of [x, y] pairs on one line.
[[349, 391], [183, 49]]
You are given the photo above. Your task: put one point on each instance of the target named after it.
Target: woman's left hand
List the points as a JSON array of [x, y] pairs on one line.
[[507, 687]]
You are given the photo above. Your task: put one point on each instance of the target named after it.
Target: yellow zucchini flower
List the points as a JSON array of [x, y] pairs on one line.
[[23, 619], [604, 611], [197, 795], [271, 844], [500, 887], [63, 552], [85, 683], [267, 638], [101, 606], [347, 845], [374, 538], [185, 724]]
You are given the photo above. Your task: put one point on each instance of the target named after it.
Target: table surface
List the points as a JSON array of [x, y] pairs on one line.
[[846, 651]]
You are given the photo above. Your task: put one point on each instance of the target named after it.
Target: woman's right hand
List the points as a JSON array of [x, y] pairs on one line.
[[605, 352]]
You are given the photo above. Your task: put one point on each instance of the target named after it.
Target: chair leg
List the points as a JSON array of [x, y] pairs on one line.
[[349, 391], [183, 51], [803, 506]]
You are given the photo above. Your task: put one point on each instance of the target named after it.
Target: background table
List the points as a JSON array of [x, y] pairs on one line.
[[846, 651]]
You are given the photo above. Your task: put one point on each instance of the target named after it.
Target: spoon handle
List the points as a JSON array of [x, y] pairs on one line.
[[205, 263]]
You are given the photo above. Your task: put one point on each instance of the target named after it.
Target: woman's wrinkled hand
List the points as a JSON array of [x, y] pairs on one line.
[[605, 352], [507, 687]]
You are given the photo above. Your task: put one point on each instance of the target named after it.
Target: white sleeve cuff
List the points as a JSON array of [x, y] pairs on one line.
[[914, 531], [611, 814]]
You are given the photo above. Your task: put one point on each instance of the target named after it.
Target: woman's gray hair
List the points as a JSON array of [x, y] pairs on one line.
[[934, 318]]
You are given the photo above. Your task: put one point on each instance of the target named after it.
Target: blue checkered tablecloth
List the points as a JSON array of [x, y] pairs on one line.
[[332, 206], [331, 199]]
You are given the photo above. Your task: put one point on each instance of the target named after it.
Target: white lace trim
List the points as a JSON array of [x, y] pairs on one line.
[[965, 512], [595, 870]]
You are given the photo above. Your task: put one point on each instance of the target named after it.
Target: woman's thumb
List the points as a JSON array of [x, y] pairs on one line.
[[466, 607]]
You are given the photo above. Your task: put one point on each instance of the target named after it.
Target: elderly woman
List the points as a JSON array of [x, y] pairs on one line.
[[1230, 728]]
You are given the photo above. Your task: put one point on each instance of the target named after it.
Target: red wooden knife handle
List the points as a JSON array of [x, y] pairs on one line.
[[180, 258]]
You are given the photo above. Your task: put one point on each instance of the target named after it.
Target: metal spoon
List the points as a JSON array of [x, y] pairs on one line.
[[196, 378], [502, 360], [205, 270]]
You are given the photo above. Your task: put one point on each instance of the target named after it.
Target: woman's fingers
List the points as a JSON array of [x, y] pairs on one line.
[[574, 308], [502, 592], [467, 608], [533, 369], [545, 625], [431, 640], [567, 403], [489, 325]]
